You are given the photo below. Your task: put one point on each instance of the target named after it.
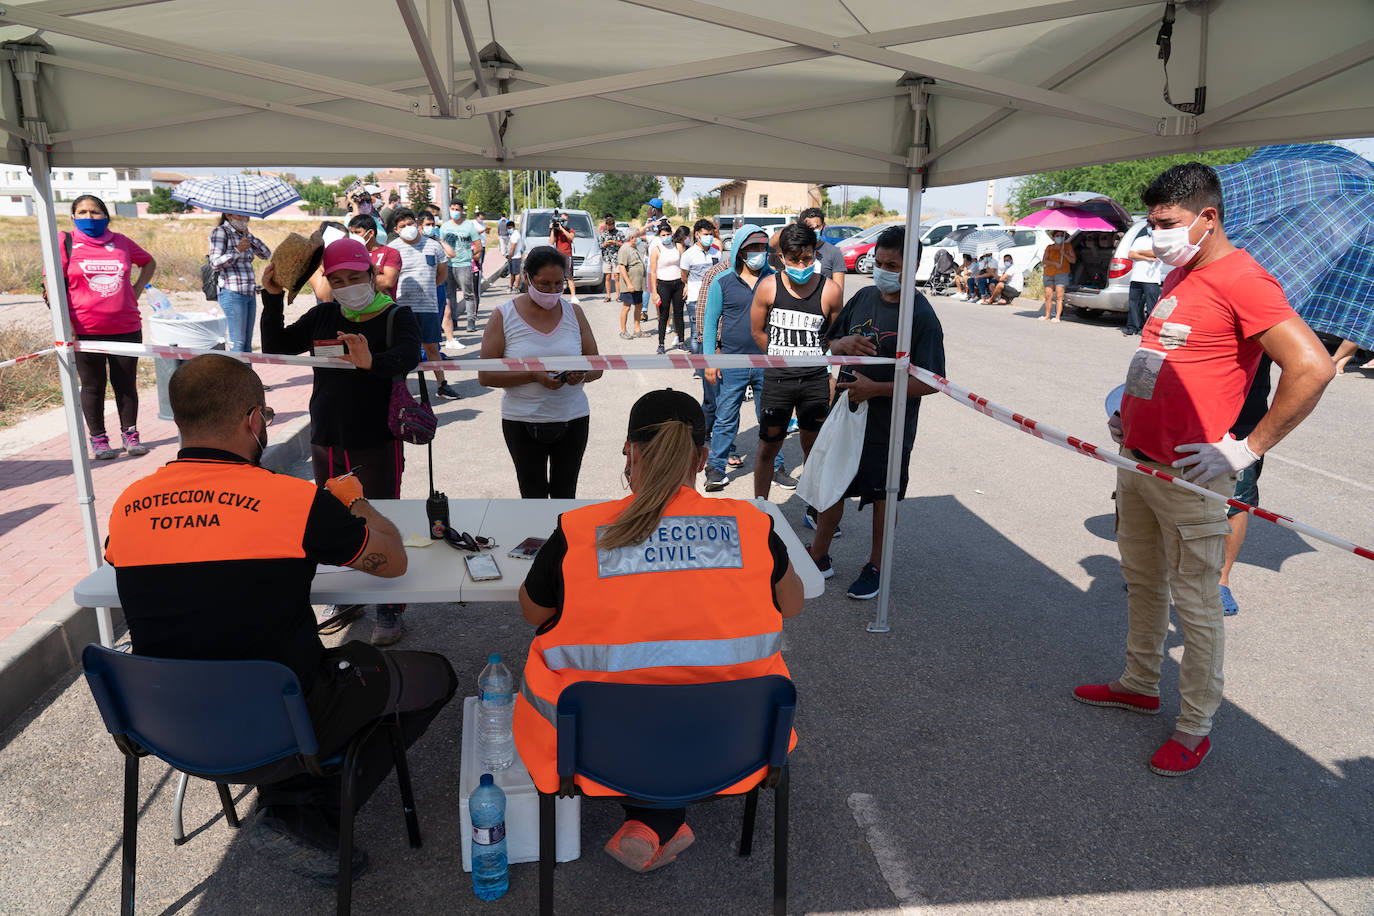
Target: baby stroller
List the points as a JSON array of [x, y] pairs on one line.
[[941, 272]]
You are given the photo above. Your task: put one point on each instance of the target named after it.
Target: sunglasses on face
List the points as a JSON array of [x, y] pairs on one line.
[[268, 414]]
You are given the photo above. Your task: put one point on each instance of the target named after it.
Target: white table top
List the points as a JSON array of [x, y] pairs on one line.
[[437, 574]]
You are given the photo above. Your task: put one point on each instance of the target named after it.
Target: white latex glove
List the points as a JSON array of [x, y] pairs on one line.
[[1115, 428], [1212, 459]]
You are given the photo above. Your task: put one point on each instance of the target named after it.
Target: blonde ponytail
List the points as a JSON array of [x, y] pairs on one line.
[[666, 459]]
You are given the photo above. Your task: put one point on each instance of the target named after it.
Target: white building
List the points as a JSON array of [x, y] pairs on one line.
[[112, 185]]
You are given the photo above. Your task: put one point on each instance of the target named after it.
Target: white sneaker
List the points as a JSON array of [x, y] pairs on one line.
[[575, 301]]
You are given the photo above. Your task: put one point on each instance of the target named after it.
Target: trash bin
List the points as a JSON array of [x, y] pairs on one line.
[[196, 330]]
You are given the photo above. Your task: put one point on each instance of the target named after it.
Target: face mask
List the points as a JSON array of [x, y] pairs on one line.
[[544, 300], [430, 232], [93, 228], [409, 233], [365, 238], [887, 281], [364, 208], [240, 224], [455, 215], [354, 298], [704, 241], [756, 260], [1006, 265], [1172, 246], [1058, 239], [801, 274]]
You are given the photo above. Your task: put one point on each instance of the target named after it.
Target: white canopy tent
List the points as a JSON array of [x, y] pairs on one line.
[[828, 91]]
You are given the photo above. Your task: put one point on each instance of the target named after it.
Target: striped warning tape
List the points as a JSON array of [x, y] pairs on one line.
[[26, 357], [1064, 440]]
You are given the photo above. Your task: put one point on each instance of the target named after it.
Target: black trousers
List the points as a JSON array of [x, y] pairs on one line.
[[671, 294], [92, 370], [356, 684], [1141, 302], [662, 821], [547, 456]]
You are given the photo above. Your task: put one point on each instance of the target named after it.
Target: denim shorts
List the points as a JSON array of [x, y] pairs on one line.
[[1060, 280], [431, 330], [1247, 487]]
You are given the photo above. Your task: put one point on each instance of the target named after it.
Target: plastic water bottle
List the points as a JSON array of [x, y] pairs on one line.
[[162, 305], [487, 806], [496, 707]]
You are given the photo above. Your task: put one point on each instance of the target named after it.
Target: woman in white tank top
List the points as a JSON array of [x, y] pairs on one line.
[[544, 418], [669, 290]]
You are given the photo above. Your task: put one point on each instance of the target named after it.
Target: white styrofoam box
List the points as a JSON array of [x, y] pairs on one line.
[[196, 330], [522, 804]]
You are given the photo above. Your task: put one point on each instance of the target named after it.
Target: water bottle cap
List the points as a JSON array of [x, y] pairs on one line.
[[494, 658], [147, 286], [486, 780]]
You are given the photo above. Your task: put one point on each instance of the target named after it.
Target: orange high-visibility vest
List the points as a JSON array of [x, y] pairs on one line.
[[691, 604], [205, 510]]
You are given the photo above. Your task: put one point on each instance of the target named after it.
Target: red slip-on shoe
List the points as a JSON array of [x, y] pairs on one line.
[[1103, 695], [680, 841], [1173, 759], [634, 845]]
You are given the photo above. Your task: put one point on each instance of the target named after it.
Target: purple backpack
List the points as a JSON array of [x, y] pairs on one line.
[[408, 419]]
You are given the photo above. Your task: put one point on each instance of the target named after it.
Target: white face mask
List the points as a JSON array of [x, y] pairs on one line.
[[238, 223], [354, 297], [544, 300], [1172, 246], [409, 233]]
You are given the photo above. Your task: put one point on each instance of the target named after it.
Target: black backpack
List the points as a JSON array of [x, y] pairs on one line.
[[209, 280]]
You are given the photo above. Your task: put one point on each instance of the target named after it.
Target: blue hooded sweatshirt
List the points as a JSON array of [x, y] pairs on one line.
[[730, 300]]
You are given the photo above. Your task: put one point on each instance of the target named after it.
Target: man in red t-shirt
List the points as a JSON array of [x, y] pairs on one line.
[[1218, 313], [561, 237]]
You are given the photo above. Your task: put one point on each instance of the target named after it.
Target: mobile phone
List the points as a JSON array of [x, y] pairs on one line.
[[482, 567], [563, 376], [526, 549], [846, 374]]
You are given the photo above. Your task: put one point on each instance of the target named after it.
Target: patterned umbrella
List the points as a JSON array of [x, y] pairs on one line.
[[1305, 212], [249, 195], [984, 240]]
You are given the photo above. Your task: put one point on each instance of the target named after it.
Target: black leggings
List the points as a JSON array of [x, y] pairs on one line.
[[547, 456], [123, 375], [674, 293]]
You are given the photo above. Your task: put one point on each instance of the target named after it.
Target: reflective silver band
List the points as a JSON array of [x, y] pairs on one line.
[[542, 706], [674, 653]]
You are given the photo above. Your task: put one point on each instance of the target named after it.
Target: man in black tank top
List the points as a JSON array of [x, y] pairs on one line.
[[791, 311]]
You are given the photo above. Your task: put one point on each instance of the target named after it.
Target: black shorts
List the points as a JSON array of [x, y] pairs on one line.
[[808, 396], [870, 480], [633, 297]]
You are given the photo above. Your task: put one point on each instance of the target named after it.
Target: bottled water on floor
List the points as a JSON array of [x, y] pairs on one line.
[[487, 806], [495, 708]]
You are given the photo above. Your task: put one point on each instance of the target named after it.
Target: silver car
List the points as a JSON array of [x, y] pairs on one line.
[[586, 256]]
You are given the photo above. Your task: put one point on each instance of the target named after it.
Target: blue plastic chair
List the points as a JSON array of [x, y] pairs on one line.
[[667, 746], [219, 720]]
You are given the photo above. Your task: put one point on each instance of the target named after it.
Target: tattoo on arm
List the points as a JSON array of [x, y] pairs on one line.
[[373, 562]]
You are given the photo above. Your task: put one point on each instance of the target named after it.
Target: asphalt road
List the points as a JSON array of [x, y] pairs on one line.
[[942, 767]]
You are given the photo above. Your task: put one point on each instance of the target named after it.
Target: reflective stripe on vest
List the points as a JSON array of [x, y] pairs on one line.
[[684, 653], [542, 706]]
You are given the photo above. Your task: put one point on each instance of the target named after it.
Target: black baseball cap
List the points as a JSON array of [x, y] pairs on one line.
[[663, 405]]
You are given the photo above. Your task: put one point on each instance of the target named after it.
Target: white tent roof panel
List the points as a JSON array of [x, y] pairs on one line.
[[1082, 76]]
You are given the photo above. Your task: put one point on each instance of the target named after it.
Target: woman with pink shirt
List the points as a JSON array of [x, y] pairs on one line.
[[102, 300]]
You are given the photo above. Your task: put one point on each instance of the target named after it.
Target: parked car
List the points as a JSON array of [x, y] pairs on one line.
[[771, 222], [1027, 247], [836, 234], [586, 257], [935, 232], [622, 226], [1101, 280], [855, 248]]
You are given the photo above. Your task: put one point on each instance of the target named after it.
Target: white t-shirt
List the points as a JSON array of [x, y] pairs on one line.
[[415, 285], [1145, 271], [669, 267], [532, 402], [696, 262], [515, 243]]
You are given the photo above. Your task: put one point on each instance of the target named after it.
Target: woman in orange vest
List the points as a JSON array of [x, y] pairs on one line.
[[596, 594]]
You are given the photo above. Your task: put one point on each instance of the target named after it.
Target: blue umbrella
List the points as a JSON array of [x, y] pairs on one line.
[[248, 195], [982, 241], [1305, 212]]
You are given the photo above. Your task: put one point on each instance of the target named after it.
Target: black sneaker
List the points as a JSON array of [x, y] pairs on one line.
[[812, 520], [310, 857], [660, 349], [447, 392], [866, 586], [822, 563], [715, 480], [784, 480]]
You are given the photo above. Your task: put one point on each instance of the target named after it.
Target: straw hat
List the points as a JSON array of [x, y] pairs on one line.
[[295, 259]]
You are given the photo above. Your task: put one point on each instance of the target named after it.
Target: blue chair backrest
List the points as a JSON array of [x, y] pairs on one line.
[[206, 718], [673, 744]]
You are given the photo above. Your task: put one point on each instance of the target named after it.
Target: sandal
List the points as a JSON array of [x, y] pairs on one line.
[[735, 461]]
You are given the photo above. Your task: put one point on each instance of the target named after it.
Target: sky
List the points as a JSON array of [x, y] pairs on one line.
[[956, 199]]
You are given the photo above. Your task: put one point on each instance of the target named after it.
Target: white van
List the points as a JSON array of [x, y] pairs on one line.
[[769, 222], [933, 233]]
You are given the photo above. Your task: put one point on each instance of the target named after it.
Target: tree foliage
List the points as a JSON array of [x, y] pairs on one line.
[[161, 201], [709, 205], [319, 198], [866, 204], [1123, 182], [481, 189], [619, 194], [418, 184], [675, 184]]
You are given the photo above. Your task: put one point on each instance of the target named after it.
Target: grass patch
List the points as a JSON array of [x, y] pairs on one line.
[[30, 385], [1035, 284]]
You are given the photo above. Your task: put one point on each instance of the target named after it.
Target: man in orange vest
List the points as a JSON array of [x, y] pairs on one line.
[[213, 558], [588, 589]]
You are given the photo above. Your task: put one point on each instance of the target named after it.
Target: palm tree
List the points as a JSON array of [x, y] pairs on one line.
[[675, 183]]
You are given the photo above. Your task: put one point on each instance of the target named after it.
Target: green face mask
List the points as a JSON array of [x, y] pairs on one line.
[[379, 302]]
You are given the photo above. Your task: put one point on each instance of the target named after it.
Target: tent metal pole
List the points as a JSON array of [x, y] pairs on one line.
[[906, 305], [26, 74], [444, 195]]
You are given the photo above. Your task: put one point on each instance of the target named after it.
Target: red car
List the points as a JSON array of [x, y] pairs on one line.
[[856, 247]]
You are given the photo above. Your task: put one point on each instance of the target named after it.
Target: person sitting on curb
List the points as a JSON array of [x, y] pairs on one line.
[[1004, 287]]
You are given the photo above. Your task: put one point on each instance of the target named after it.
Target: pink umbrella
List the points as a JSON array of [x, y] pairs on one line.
[[1070, 219]]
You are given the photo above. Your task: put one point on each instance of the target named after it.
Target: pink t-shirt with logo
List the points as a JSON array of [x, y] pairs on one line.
[[99, 295]]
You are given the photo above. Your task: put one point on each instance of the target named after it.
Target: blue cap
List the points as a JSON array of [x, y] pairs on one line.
[[656, 202], [486, 780], [494, 658]]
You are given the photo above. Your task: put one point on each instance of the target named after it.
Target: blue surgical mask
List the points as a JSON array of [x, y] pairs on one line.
[[887, 281], [430, 231], [92, 228], [756, 260], [802, 274]]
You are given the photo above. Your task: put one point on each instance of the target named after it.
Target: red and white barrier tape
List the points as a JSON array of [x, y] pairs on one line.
[[26, 357], [677, 359], [1064, 440]]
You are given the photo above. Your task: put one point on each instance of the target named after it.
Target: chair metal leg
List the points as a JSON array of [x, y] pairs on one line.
[[548, 852], [226, 801], [129, 851], [344, 904], [398, 752], [751, 808], [781, 812], [178, 830]]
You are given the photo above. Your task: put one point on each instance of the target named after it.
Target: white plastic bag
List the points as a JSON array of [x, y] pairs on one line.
[[834, 458]]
